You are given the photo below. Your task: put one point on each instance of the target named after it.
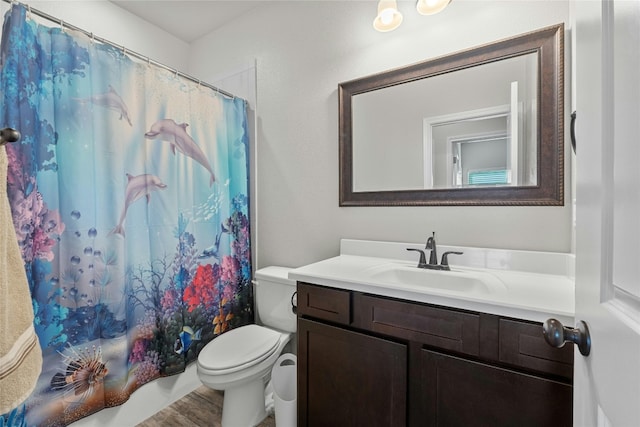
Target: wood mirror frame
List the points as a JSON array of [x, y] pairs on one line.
[[548, 45]]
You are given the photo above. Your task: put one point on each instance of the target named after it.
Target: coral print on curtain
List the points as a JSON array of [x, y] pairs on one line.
[[129, 195]]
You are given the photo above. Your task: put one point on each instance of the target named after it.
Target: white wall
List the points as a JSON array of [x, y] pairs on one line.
[[113, 23], [303, 50]]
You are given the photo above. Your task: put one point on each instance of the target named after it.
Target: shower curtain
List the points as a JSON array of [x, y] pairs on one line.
[[129, 196]]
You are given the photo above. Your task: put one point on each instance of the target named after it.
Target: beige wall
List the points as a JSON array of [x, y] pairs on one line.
[[303, 50]]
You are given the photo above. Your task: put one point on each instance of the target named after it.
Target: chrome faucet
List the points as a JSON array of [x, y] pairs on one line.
[[433, 257]]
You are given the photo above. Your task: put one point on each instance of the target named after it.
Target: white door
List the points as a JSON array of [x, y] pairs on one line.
[[607, 99]]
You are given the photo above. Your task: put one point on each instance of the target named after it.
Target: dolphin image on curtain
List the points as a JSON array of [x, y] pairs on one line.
[[129, 193]]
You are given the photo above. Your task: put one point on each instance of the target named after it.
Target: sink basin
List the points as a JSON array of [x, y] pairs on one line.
[[456, 280]]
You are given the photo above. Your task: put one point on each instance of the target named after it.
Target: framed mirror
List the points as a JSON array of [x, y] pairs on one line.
[[480, 127]]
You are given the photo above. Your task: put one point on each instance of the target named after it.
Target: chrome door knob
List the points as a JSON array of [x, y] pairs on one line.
[[557, 335]]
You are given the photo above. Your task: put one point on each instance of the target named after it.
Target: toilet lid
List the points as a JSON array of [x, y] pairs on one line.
[[238, 347]]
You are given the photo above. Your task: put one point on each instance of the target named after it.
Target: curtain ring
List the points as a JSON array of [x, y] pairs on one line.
[[92, 38], [28, 10], [61, 25]]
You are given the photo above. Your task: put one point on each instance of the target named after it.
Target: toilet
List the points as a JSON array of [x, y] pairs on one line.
[[239, 361]]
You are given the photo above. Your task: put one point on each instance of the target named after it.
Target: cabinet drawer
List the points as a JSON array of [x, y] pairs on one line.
[[323, 303], [522, 344], [443, 328]]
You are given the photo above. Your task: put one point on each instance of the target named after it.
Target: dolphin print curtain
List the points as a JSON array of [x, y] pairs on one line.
[[129, 195]]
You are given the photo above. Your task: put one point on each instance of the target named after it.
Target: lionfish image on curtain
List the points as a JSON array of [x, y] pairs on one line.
[[84, 371]]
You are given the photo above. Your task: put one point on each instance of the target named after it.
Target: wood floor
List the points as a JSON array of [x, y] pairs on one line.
[[200, 408]]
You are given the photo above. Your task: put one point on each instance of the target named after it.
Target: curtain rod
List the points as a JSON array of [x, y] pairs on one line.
[[126, 51]]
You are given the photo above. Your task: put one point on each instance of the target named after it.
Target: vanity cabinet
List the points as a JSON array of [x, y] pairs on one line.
[[343, 382], [366, 360]]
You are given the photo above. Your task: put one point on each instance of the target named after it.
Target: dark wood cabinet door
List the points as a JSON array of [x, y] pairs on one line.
[[350, 379], [459, 392]]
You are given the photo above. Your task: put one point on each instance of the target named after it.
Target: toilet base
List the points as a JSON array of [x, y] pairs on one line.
[[243, 406], [243, 403]]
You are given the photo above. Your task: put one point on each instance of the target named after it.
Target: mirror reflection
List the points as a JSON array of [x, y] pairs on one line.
[[472, 128]]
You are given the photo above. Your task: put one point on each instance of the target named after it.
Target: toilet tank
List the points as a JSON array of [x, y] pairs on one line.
[[274, 291]]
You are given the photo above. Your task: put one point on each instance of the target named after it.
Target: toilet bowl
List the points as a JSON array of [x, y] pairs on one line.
[[240, 360]]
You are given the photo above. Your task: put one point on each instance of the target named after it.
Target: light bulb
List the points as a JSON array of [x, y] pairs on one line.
[[431, 7], [388, 17]]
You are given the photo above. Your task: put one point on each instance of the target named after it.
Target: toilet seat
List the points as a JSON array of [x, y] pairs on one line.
[[238, 348]]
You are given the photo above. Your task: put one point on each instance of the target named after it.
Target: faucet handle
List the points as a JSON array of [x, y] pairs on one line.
[[445, 258], [423, 259]]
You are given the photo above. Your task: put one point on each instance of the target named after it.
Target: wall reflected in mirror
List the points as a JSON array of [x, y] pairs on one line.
[[473, 128]]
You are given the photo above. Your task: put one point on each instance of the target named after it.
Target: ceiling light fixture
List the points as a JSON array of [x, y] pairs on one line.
[[389, 18]]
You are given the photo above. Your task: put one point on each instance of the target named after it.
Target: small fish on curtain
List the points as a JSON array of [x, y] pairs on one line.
[[129, 193]]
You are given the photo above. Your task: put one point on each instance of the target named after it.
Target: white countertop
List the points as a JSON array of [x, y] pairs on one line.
[[537, 285]]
